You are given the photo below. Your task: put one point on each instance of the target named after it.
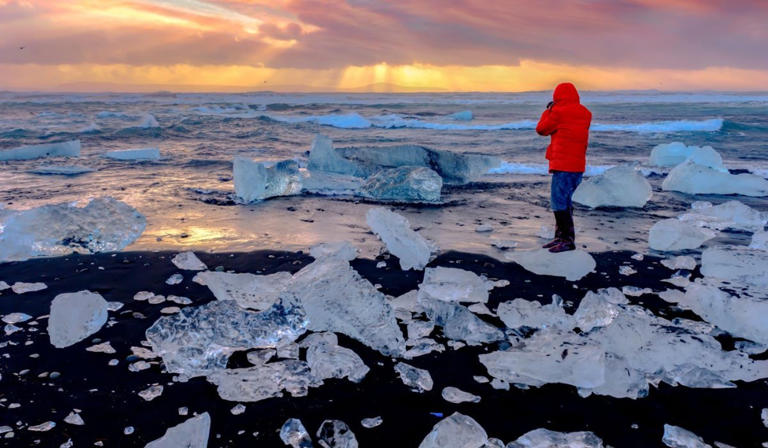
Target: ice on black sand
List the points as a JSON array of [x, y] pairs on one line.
[[336, 434], [413, 250], [188, 261], [294, 434], [75, 316], [455, 431], [193, 433], [418, 379]]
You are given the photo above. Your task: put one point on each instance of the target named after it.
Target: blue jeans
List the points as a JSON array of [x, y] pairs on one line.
[[564, 183]]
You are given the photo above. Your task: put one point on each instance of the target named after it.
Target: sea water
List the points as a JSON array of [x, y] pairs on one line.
[[187, 198]]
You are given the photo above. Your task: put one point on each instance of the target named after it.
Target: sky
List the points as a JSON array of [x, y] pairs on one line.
[[380, 45]]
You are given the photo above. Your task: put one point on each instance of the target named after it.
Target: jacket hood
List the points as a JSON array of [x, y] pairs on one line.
[[565, 92]]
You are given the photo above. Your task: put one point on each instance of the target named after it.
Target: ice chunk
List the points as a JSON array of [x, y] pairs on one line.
[[460, 324], [148, 121], [418, 379], [58, 149], [4, 286], [151, 392], [256, 181], [403, 184], [455, 395], [456, 431], [23, 288], [731, 214], [454, 285], [764, 417], [572, 265], [464, 115], [336, 434], [342, 250], [395, 231], [134, 154], [74, 419], [544, 438], [598, 309], [258, 292], [323, 157], [15, 318], [741, 316], [192, 433], [102, 225], [373, 422], [75, 316], [199, 340], [327, 359], [692, 178], [66, 170], [174, 279], [188, 261], [294, 434], [549, 356], [621, 186], [673, 235], [104, 347], [264, 381], [525, 313], [677, 437], [42, 427], [680, 262], [670, 154], [736, 264], [759, 241], [336, 298]]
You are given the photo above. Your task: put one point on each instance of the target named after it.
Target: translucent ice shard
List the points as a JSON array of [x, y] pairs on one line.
[[403, 184], [525, 313], [395, 231], [134, 154], [75, 316], [255, 181], [736, 264], [677, 437], [673, 154], [102, 225], [456, 431], [598, 309], [188, 261], [454, 285], [192, 433], [622, 186], [337, 299], [460, 324], [327, 359], [418, 379], [455, 395], [692, 178], [731, 214], [673, 234], [544, 438], [264, 381], [572, 265], [680, 262], [342, 250], [258, 292], [294, 434], [59, 149], [198, 341], [336, 434], [373, 422], [23, 288]]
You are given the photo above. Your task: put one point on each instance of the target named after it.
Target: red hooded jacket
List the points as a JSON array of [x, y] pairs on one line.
[[567, 123]]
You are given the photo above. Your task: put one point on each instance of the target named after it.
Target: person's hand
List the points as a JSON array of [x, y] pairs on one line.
[[549, 106]]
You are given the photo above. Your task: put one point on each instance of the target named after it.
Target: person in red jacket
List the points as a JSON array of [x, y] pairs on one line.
[[566, 122]]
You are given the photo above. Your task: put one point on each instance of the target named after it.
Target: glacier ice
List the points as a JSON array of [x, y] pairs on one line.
[[15, 318], [455, 431], [545, 438], [102, 225], [336, 434], [24, 287], [342, 250], [74, 418], [192, 433], [598, 309], [418, 379], [403, 184], [456, 395], [336, 298], [455, 285], [673, 154], [573, 265], [413, 250], [58, 149], [134, 154], [677, 437], [680, 262], [258, 292], [256, 181], [151, 392], [327, 359], [733, 263], [526, 313], [673, 234], [759, 241], [371, 422], [294, 434], [63, 170], [323, 157], [621, 186], [264, 381], [692, 178], [188, 261], [460, 324], [731, 214], [75, 316], [464, 115], [198, 341]]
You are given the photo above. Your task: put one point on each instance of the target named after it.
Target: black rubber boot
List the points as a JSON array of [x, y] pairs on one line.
[[558, 232], [565, 223]]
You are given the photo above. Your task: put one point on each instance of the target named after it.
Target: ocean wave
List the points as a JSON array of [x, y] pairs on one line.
[[711, 125], [396, 121]]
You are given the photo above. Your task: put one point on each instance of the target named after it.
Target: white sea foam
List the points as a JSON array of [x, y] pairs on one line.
[[711, 125]]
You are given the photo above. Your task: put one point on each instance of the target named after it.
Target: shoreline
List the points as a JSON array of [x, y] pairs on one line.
[[729, 416]]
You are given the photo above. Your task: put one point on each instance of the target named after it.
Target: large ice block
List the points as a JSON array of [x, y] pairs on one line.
[[455, 285], [673, 235], [727, 215], [58, 149], [621, 186], [403, 184], [692, 178], [573, 265], [256, 181]]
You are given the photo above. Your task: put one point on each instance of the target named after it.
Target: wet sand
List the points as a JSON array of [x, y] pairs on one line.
[[108, 400]]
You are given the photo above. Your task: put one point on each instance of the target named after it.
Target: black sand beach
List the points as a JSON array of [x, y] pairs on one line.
[[108, 400]]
